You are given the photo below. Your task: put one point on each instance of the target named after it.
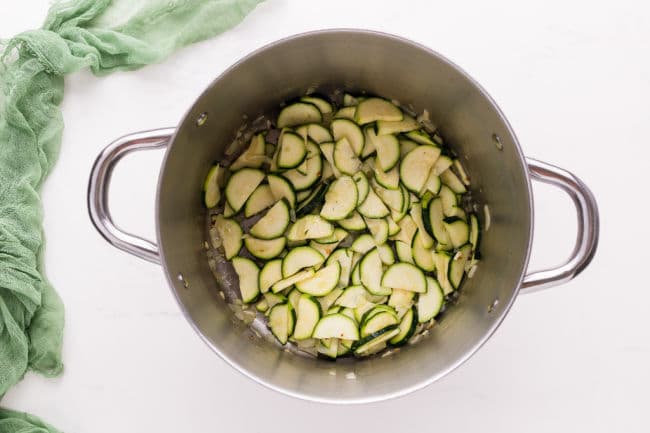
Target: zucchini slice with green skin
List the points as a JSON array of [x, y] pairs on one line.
[[387, 179], [336, 326], [363, 186], [281, 188], [292, 280], [372, 206], [274, 223], [316, 132], [349, 100], [262, 306], [404, 276], [254, 156], [401, 299], [369, 144], [313, 169], [340, 199], [228, 210], [294, 298], [270, 274], [308, 314], [373, 109], [323, 106], [313, 201], [231, 234], [353, 297], [451, 180], [415, 167], [363, 244], [292, 150], [458, 231], [436, 221], [324, 249], [393, 228], [405, 146], [300, 258], [422, 256], [378, 322], [385, 127], [386, 254], [364, 346], [457, 265], [433, 184], [420, 137], [328, 300], [248, 274], [449, 199], [328, 152], [378, 228], [300, 113], [344, 128], [273, 299], [310, 227], [328, 348], [345, 160], [343, 257], [335, 238], [404, 253], [353, 223], [345, 113], [322, 282], [260, 199], [430, 303], [376, 310], [406, 327], [282, 319], [443, 259], [441, 165], [416, 214], [263, 248], [474, 232], [393, 198], [408, 229], [370, 272], [211, 187], [387, 147], [241, 185]]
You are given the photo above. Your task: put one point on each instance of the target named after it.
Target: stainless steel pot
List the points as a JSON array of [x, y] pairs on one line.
[[352, 60]]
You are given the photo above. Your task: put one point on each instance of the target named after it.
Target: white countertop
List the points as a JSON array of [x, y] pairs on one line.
[[573, 79]]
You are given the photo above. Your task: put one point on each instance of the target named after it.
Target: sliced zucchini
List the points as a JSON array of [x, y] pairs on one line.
[[310, 227], [292, 280], [386, 254], [336, 326], [294, 298], [282, 319], [420, 137], [366, 346], [292, 150], [230, 233], [262, 306], [260, 199], [404, 276], [442, 259], [273, 299], [407, 230], [372, 206], [378, 228], [322, 282], [353, 223], [344, 128], [349, 100], [345, 113], [393, 228], [370, 272], [334, 238], [248, 274], [254, 156], [316, 132], [433, 184], [456, 212], [299, 113], [449, 199], [323, 106], [265, 249], [373, 109], [377, 322], [343, 257], [441, 165], [241, 185], [274, 223], [328, 171], [313, 170], [458, 231], [430, 303], [363, 244], [307, 316], [228, 210], [416, 214], [457, 265], [345, 160], [474, 232], [407, 327], [462, 174], [404, 253], [353, 297], [328, 151], [436, 218], [401, 299], [385, 127], [415, 167], [328, 300], [363, 186], [369, 144], [450, 179], [270, 274], [328, 348], [405, 146], [387, 179], [281, 188], [422, 256], [324, 249], [211, 187], [355, 276], [313, 201], [387, 147], [340, 199], [393, 198], [300, 258]]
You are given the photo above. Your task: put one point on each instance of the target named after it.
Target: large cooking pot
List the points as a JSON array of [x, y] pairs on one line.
[[352, 60]]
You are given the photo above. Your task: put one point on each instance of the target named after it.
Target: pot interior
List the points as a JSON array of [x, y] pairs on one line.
[[354, 61]]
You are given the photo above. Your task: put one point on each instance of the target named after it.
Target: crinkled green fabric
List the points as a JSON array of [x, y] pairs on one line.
[[107, 36]]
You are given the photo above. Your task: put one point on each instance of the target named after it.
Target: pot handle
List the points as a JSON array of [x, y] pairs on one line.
[[98, 185], [588, 227]]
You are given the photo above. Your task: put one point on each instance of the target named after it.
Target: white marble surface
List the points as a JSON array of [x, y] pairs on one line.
[[574, 80]]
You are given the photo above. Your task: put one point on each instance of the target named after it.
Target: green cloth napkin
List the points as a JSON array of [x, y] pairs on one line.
[[107, 36]]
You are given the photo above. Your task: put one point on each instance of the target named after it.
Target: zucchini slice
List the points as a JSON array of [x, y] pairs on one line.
[[420, 137], [310, 227], [274, 223], [369, 144], [457, 265], [406, 327], [416, 214], [450, 179], [313, 201], [322, 105], [344, 128], [328, 348], [443, 259], [292, 150], [377, 322], [433, 184], [449, 199], [273, 299], [308, 314], [292, 280], [441, 165], [281, 188], [458, 231], [300, 258], [282, 319], [363, 244], [336, 326], [367, 346], [474, 232], [373, 109], [401, 299], [228, 210], [387, 147], [393, 198], [404, 276], [422, 255], [408, 229], [328, 152], [313, 169], [353, 297], [263, 248], [372, 206], [345, 160], [248, 274], [404, 253], [241, 185], [415, 167], [254, 156], [322, 282], [294, 298], [387, 179], [270, 274], [349, 100], [393, 228], [334, 238], [343, 257], [299, 113], [345, 113], [211, 187], [230, 233], [370, 272], [430, 303], [436, 221], [328, 300], [340, 199], [353, 223], [363, 186], [260, 199], [405, 146], [385, 127], [386, 254], [378, 228]]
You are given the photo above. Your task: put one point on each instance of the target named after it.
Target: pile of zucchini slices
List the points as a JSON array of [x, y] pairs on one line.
[[356, 234]]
